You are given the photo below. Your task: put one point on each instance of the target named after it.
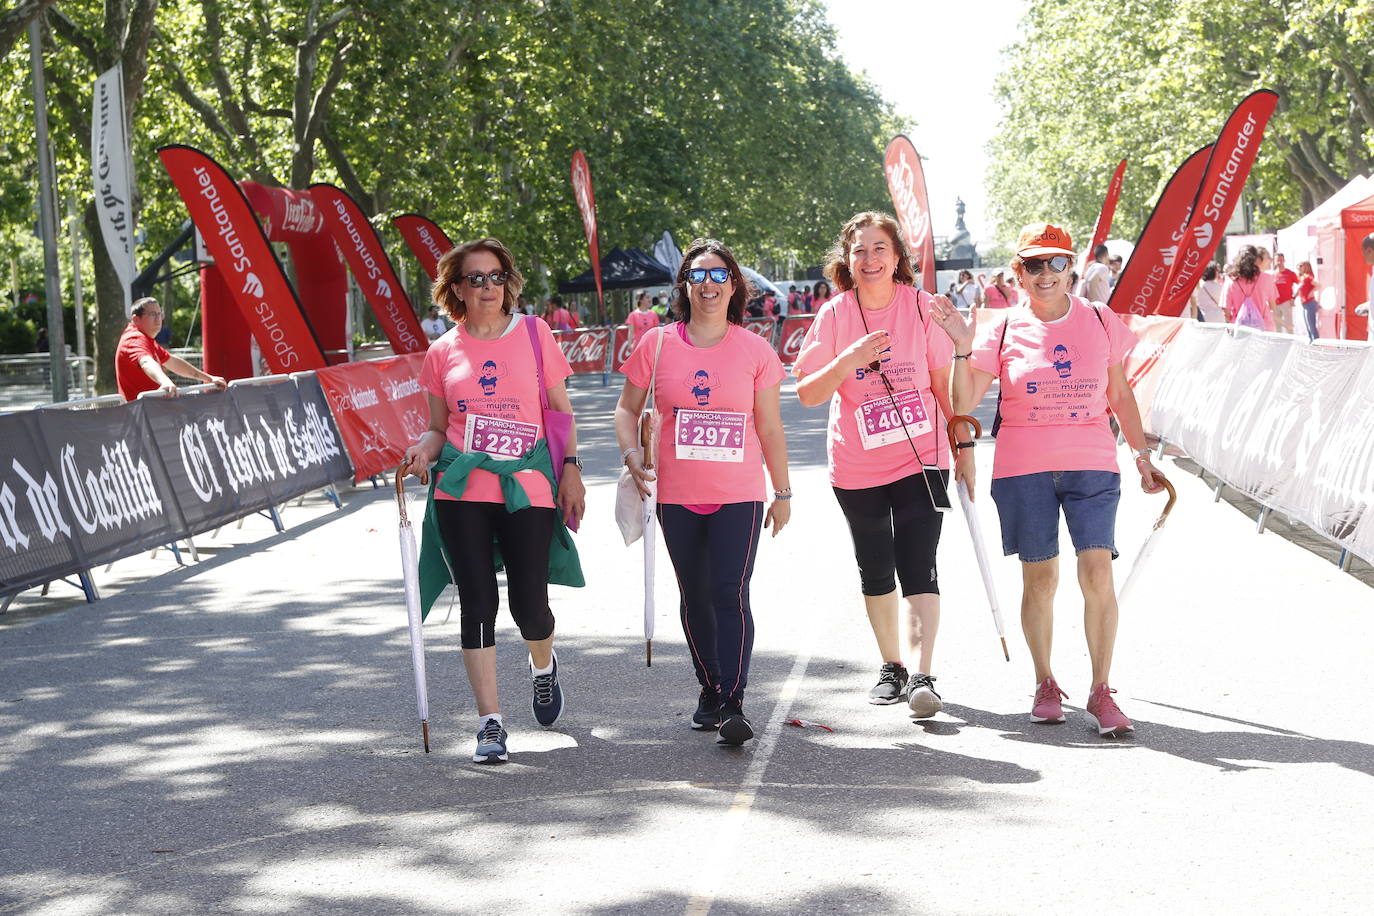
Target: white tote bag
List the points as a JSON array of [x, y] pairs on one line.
[[629, 505]]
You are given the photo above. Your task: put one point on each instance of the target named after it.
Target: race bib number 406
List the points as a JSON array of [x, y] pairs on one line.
[[881, 421], [710, 435], [506, 439]]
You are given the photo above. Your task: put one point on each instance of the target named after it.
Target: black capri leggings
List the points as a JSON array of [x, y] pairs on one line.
[[468, 529], [895, 528]]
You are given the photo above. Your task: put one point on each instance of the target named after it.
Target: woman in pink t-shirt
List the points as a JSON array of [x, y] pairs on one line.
[[557, 317], [997, 295], [1249, 280], [875, 356], [485, 421], [718, 422], [1058, 362], [642, 318]]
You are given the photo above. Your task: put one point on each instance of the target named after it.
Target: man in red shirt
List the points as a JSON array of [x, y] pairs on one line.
[[1285, 280], [140, 360]]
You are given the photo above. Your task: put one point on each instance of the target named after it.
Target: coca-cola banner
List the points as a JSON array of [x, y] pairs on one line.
[[1228, 167], [761, 326], [380, 409], [233, 238], [587, 349], [794, 328], [906, 182], [622, 345], [371, 268], [424, 239], [1141, 284]]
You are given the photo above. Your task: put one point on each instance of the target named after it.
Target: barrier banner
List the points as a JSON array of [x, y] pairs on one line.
[[380, 409], [621, 346], [761, 326], [906, 182], [366, 257], [232, 236], [1103, 227], [320, 434], [794, 328], [425, 239], [37, 541], [1144, 365], [586, 206], [1142, 280], [1228, 167], [585, 348]]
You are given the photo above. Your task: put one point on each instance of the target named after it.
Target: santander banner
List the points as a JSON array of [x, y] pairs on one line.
[[1142, 280], [586, 349], [426, 240], [232, 237], [371, 268], [586, 205], [1104, 217], [379, 407], [906, 182], [1227, 169], [790, 340]]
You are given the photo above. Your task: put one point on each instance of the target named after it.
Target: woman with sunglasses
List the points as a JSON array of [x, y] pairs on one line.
[[718, 423], [485, 431], [1058, 362], [874, 354]]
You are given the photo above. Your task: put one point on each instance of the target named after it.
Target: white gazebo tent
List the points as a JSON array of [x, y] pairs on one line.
[[1320, 238]]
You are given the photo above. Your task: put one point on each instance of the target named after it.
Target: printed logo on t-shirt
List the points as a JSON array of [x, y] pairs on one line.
[[701, 382], [1063, 360], [491, 373]]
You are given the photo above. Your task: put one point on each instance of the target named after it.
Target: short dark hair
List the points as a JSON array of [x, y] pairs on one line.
[[141, 305], [682, 304], [1099, 251], [1367, 241]]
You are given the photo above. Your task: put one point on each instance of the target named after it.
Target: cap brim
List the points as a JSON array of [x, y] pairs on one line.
[[1037, 251]]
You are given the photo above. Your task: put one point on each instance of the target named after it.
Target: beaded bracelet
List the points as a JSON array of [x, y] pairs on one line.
[[784, 493]]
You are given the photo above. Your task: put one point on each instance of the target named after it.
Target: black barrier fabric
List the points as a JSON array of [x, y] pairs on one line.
[[318, 438], [37, 543]]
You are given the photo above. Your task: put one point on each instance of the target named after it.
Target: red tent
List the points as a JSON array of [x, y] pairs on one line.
[[1357, 221]]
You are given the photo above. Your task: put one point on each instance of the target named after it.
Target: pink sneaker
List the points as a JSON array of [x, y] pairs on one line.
[[1047, 707], [1111, 722]]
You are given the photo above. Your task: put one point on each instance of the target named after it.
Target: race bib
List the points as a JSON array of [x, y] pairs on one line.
[[710, 435], [505, 439], [880, 423]]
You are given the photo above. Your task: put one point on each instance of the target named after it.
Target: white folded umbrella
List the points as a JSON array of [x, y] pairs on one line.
[[410, 575]]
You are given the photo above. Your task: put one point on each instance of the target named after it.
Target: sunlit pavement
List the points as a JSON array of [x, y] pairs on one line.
[[240, 736]]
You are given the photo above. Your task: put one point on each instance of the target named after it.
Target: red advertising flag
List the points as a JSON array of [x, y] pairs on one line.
[[379, 407], [366, 257], [234, 239], [1141, 283], [1227, 169], [906, 182], [586, 349], [794, 329], [1104, 217], [426, 240], [586, 205]]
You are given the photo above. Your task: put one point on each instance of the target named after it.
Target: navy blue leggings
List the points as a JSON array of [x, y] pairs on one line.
[[713, 556]]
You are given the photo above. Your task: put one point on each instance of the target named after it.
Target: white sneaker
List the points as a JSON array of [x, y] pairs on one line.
[[921, 696]]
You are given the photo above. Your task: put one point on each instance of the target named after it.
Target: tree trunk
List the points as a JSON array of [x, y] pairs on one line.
[[110, 319], [15, 22]]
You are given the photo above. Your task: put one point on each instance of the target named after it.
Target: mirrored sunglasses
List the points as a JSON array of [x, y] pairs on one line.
[[479, 281], [698, 275], [1057, 264]]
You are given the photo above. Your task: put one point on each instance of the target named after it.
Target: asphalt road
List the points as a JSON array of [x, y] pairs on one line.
[[240, 735]]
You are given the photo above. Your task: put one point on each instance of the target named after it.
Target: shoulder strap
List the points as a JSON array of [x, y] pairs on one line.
[[653, 376], [529, 321]]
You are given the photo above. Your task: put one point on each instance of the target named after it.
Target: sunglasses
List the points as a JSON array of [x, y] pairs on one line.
[[479, 281], [1058, 264], [698, 275]]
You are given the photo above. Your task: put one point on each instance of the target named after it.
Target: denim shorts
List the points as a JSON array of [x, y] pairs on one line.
[[1028, 506]]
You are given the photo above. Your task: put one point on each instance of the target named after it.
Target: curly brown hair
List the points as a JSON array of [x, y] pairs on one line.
[[450, 274], [837, 258]]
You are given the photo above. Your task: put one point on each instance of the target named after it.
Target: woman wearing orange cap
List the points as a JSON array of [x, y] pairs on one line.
[[1057, 358]]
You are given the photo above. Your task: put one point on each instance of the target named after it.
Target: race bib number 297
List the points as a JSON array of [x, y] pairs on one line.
[[710, 435]]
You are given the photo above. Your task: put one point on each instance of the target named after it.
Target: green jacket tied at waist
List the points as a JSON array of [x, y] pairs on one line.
[[455, 466]]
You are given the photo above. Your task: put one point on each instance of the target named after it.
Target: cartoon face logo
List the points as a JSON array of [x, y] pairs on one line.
[[701, 382], [491, 373], [1062, 364]]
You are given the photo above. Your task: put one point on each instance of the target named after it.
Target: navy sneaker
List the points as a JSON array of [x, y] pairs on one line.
[[491, 743], [734, 727], [548, 695], [707, 716]]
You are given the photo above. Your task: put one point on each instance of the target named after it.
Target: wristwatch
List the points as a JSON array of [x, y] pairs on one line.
[[573, 459]]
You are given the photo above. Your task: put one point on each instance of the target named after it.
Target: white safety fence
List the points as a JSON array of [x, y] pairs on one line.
[[1289, 423]]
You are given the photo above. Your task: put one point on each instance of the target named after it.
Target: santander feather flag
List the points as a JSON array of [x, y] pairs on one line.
[[906, 182], [1228, 167], [426, 240], [366, 257], [586, 205], [1141, 283], [1103, 226]]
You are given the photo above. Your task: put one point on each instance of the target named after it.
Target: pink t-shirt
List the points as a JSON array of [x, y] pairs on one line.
[[641, 321], [492, 386], [994, 298], [866, 442], [708, 449], [1054, 388], [1262, 289]]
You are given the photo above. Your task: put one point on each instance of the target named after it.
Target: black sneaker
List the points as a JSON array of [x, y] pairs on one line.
[[548, 695], [734, 727], [922, 698], [891, 686], [707, 716], [491, 743]]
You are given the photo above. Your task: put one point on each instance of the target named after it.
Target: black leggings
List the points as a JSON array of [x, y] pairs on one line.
[[468, 529], [713, 556], [895, 529]]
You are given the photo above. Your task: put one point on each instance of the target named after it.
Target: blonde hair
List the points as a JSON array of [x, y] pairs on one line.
[[450, 274], [837, 259]]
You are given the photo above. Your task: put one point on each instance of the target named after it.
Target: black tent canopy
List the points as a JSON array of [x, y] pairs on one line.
[[621, 269]]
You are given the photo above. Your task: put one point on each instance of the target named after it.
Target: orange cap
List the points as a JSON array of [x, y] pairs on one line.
[[1043, 239]]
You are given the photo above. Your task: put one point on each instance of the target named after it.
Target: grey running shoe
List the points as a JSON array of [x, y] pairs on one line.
[[922, 698], [892, 678], [491, 743]]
